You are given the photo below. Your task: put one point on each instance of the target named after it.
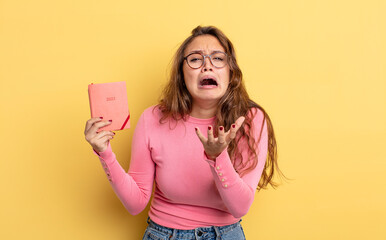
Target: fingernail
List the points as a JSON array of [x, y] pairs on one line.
[[233, 125], [209, 128], [195, 128], [110, 120], [221, 128], [101, 117]]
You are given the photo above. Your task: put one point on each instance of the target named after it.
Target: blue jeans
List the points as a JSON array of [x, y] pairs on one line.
[[155, 231]]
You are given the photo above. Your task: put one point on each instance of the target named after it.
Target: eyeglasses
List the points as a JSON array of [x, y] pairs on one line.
[[196, 60]]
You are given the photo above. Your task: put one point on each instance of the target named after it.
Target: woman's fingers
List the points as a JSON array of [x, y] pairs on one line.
[[94, 128], [213, 146], [239, 122], [210, 135], [90, 122], [102, 134], [234, 128], [98, 141], [202, 138], [232, 133], [105, 138], [101, 143], [221, 135]]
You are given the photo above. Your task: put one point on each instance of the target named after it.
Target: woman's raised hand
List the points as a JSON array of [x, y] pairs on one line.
[[98, 141], [214, 146]]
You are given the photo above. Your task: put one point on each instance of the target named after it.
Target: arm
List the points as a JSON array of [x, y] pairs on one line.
[[135, 187], [238, 192]]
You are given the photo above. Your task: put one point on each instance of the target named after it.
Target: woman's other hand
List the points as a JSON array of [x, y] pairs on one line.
[[214, 146], [98, 141]]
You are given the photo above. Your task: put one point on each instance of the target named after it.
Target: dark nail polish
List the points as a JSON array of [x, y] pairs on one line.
[[221, 128], [110, 120], [101, 117], [209, 128], [234, 126], [195, 128]]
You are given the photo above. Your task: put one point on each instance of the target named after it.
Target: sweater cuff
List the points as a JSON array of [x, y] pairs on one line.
[[223, 170]]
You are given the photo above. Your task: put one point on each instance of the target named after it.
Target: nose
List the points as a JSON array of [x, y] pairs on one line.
[[207, 66]]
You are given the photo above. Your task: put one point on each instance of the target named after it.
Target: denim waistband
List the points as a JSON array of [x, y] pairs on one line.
[[212, 230]]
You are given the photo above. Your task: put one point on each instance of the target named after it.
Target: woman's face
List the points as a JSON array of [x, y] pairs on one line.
[[206, 84]]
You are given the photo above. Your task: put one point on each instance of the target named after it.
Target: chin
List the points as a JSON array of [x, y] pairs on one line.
[[209, 98]]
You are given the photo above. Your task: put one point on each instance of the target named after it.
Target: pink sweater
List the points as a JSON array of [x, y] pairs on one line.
[[190, 190]]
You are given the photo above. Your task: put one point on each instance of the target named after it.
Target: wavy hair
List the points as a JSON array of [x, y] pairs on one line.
[[176, 103]]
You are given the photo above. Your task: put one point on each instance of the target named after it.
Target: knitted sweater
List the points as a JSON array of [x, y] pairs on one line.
[[190, 190]]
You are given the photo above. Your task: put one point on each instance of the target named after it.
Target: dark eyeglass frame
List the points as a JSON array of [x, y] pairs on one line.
[[206, 56]]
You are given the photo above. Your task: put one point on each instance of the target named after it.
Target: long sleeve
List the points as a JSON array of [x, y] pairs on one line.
[[133, 188], [238, 192]]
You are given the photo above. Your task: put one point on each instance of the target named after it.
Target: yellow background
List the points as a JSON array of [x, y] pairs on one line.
[[317, 67]]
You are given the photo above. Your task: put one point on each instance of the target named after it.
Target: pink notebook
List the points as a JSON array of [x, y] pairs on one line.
[[109, 100]]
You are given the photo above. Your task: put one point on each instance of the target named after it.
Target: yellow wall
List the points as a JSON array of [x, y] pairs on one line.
[[318, 68]]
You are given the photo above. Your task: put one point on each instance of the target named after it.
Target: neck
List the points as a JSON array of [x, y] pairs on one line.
[[203, 110]]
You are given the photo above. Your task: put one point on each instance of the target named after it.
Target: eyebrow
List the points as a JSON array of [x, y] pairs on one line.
[[202, 52]]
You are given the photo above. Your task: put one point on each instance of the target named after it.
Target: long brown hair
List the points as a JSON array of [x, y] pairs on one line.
[[176, 102]]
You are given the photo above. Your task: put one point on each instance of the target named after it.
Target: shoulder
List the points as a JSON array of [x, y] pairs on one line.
[[256, 122], [256, 115], [151, 114], [152, 111]]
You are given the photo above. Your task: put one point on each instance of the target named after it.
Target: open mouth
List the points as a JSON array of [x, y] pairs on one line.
[[208, 82]]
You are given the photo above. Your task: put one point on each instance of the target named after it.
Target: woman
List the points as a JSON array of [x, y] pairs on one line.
[[206, 146]]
